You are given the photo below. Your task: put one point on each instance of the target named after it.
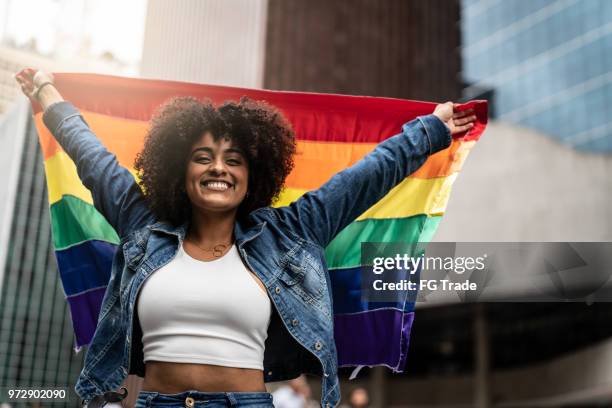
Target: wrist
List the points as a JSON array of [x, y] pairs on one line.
[[40, 88], [438, 133], [48, 95]]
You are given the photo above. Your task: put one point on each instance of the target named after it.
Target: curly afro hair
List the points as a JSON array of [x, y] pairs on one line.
[[258, 129]]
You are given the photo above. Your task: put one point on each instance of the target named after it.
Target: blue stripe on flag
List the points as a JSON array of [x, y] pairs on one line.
[[85, 266]]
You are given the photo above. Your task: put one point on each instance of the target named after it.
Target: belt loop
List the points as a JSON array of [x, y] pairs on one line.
[[150, 398], [231, 398]]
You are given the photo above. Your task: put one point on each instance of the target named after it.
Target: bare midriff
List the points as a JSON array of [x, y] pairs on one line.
[[173, 378]]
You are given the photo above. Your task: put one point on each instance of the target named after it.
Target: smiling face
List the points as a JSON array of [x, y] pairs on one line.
[[216, 179]]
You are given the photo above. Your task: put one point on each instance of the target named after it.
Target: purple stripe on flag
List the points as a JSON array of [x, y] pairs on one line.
[[84, 309], [373, 338]]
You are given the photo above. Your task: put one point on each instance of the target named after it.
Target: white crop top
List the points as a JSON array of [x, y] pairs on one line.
[[200, 312]]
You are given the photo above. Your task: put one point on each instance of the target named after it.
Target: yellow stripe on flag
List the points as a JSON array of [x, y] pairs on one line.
[[63, 179], [412, 196]]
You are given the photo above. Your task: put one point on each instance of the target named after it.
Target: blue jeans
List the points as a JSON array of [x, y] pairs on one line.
[[197, 399]]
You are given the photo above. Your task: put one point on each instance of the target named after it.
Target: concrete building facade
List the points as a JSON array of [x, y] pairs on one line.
[[213, 41], [363, 47]]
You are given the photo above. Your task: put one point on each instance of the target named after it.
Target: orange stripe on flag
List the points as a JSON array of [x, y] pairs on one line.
[[123, 137], [315, 162]]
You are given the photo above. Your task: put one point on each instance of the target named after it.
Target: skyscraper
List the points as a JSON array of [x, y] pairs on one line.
[[548, 63], [36, 336]]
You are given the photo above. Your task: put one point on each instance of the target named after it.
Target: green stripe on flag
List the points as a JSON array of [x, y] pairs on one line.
[[74, 221], [345, 250]]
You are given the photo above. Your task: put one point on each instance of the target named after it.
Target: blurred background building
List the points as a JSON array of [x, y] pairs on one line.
[[386, 48], [540, 172], [547, 63], [36, 337]]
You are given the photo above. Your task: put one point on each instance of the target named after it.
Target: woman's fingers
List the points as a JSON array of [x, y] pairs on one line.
[[26, 74], [463, 128], [461, 114], [25, 87], [464, 120], [29, 78], [25, 80]]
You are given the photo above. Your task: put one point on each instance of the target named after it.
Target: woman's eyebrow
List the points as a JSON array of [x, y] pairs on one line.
[[209, 150], [204, 149], [234, 150]]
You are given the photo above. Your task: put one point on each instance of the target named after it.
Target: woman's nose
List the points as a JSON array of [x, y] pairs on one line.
[[217, 166]]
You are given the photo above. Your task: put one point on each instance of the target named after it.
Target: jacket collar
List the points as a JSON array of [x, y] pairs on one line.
[[241, 232], [244, 234], [167, 228]]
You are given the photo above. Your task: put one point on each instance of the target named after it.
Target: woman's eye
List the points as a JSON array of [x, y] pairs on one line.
[[202, 159], [234, 162]]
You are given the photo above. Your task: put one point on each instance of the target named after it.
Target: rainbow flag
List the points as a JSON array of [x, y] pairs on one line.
[[333, 132]]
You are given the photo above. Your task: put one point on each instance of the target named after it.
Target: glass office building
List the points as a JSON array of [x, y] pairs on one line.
[[548, 64], [36, 336]]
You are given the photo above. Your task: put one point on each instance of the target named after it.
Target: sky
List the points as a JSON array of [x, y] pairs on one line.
[[65, 27]]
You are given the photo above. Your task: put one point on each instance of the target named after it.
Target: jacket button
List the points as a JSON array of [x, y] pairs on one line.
[[269, 372], [277, 290], [295, 322], [318, 345]]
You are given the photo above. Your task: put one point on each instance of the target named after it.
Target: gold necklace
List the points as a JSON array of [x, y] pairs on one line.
[[217, 250]]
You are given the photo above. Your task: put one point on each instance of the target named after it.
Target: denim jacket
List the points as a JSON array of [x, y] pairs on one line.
[[283, 246]]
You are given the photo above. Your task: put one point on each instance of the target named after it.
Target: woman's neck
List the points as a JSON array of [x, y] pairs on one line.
[[209, 229]]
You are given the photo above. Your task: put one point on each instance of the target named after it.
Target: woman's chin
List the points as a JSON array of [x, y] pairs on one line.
[[218, 206]]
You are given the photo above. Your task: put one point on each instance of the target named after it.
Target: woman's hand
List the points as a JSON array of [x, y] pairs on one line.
[[30, 81], [25, 79], [457, 122], [38, 86]]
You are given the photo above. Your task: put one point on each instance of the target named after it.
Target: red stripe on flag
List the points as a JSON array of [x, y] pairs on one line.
[[319, 117]]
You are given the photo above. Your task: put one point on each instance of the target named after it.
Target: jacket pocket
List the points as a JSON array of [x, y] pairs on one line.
[[303, 273], [292, 274], [133, 252]]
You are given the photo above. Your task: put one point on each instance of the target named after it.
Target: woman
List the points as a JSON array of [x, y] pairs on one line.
[[211, 287]]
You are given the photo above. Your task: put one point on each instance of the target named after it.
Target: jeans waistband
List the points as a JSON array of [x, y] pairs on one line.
[[233, 398]]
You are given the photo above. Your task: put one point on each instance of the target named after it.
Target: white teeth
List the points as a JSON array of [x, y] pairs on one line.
[[217, 185]]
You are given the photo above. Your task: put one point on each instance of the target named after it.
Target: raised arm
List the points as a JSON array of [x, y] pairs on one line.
[[116, 195], [321, 214]]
